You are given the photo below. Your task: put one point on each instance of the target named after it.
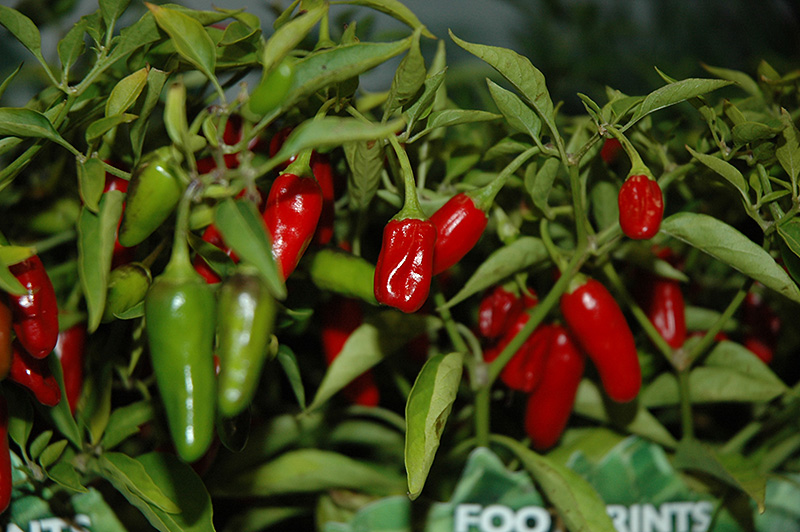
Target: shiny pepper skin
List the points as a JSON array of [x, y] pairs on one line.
[[641, 207], [6, 482], [294, 205], [405, 264], [549, 406], [6, 337], [35, 312], [497, 311], [340, 317], [459, 225], [34, 374], [70, 350], [598, 325], [323, 173], [180, 324], [245, 318], [666, 310]]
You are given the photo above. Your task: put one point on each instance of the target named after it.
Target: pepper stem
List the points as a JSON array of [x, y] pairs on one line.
[[180, 263], [411, 207], [637, 165], [483, 197]]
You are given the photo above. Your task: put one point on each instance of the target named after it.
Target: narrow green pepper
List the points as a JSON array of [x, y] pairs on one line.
[[154, 192], [179, 316], [343, 273], [246, 316]]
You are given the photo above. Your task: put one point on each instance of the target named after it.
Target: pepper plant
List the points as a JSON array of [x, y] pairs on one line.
[[383, 281]]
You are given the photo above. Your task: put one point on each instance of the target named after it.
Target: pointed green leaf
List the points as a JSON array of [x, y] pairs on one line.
[[420, 108], [125, 422], [731, 247], [744, 81], [71, 47], [39, 444], [101, 126], [22, 122], [155, 83], [454, 117], [20, 416], [126, 92], [65, 475], [292, 370], [60, 415], [91, 181], [52, 452], [724, 169], [427, 409], [288, 36], [543, 183], [24, 30], [123, 471], [517, 114], [393, 8], [112, 9], [408, 78], [673, 93], [749, 131], [788, 150], [365, 160], [3, 87]]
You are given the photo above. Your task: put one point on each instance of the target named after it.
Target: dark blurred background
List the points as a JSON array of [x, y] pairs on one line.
[[580, 45]]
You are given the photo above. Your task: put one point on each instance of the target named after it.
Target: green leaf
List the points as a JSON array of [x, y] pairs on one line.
[[22, 122], [112, 9], [191, 40], [52, 452], [576, 501], [155, 83], [101, 126], [125, 422], [39, 444], [126, 92], [454, 117], [3, 87], [517, 256], [744, 81], [427, 409], [673, 93], [128, 473], [731, 247], [292, 370], [408, 78], [604, 205], [335, 65], [65, 475], [393, 8], [93, 505], [380, 336], [238, 32], [724, 169], [24, 30], [8, 282], [310, 471], [748, 131], [72, 46], [97, 406], [60, 415], [243, 229], [543, 183], [96, 236], [365, 160], [788, 150], [518, 115], [518, 70], [131, 38], [288, 36], [732, 469], [91, 181], [20, 416], [421, 107]]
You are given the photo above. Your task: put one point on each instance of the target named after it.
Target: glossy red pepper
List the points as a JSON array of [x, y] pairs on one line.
[[667, 311], [524, 371], [294, 205], [405, 264], [122, 255], [598, 325], [6, 481], [6, 337], [459, 225], [340, 317], [70, 350], [497, 311], [34, 374], [35, 312], [323, 173], [641, 207], [549, 406]]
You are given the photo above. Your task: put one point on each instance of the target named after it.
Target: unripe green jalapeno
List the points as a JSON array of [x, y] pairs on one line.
[[343, 273], [127, 286], [154, 192], [246, 315], [273, 88], [179, 317]]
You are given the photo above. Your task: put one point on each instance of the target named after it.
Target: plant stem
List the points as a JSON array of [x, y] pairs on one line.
[[684, 391]]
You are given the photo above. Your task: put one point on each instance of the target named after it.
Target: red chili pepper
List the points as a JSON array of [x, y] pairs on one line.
[[34, 374], [497, 311], [293, 209], [550, 405], [641, 207], [666, 310], [610, 150], [762, 326], [599, 327], [759, 348], [340, 317], [323, 173], [36, 311], [525, 369], [405, 264], [122, 255], [5, 337], [6, 481], [70, 350], [459, 225]]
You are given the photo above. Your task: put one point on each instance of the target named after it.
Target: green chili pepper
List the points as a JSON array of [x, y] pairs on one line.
[[343, 273], [154, 192], [273, 88], [246, 315], [179, 316], [127, 286]]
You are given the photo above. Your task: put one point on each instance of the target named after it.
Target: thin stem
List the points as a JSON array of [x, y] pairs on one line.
[[684, 390], [411, 206]]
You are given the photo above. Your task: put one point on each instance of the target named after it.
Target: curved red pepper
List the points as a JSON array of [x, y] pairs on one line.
[[524, 371], [459, 225], [666, 310], [599, 327], [549, 406], [497, 311], [340, 317], [405, 264], [323, 173], [36, 311], [641, 207], [6, 481], [34, 374], [293, 209], [5, 337], [70, 351]]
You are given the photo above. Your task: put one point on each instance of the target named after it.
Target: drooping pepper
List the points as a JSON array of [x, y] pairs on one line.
[[273, 87], [340, 317], [598, 325], [154, 192], [179, 318], [459, 225], [245, 318], [641, 207], [294, 205], [35, 312], [666, 310], [323, 173], [497, 311], [5, 337], [524, 371], [34, 374], [549, 406], [343, 273], [70, 350]]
